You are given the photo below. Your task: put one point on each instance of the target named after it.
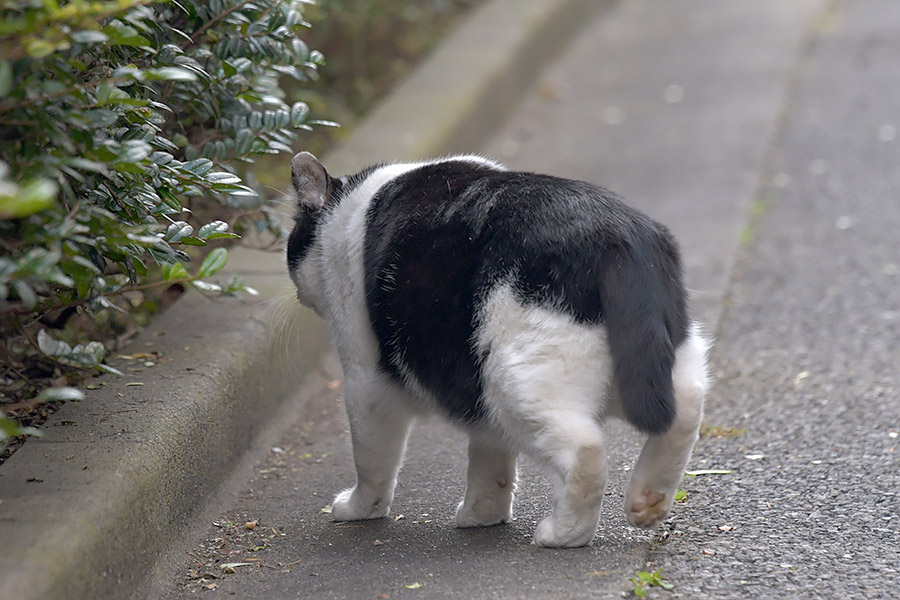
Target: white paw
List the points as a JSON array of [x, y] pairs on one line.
[[648, 509], [550, 535], [482, 514], [350, 506]]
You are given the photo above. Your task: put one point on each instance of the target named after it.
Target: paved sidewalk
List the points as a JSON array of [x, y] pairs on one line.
[[810, 346], [765, 135]]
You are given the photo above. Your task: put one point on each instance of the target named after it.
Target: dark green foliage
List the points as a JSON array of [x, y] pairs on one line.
[[124, 126]]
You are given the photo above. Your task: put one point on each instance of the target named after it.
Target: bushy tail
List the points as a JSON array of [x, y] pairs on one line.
[[646, 320]]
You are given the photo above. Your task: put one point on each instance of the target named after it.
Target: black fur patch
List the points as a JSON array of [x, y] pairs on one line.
[[439, 237], [302, 235]]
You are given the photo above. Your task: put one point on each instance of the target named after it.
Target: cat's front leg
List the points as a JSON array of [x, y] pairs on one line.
[[379, 426], [490, 482]]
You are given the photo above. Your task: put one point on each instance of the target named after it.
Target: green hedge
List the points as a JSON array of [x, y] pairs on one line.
[[125, 129]]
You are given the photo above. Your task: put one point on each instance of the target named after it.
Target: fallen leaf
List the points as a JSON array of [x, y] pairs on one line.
[[709, 552], [800, 377], [399, 517], [230, 567], [708, 472], [378, 543], [251, 525], [755, 456], [211, 586], [325, 509], [413, 586], [139, 355], [725, 527]]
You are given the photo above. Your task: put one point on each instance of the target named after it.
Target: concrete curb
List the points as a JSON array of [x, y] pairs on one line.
[[87, 510]]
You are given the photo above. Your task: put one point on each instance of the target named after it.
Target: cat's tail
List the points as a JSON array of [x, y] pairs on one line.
[[645, 316]]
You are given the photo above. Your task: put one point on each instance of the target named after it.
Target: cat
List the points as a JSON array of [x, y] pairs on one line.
[[523, 307]]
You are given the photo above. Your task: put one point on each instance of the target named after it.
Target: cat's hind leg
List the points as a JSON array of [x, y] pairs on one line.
[[545, 377], [490, 482], [660, 467], [579, 470], [379, 425]]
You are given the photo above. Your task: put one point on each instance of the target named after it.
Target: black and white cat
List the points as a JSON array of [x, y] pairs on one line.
[[524, 307]]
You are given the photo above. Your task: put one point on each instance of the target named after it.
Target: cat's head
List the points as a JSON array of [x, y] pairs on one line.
[[314, 190]]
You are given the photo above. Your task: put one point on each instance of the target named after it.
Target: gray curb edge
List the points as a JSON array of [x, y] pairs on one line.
[[87, 510]]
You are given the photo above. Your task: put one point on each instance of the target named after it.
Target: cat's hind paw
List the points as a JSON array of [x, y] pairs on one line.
[[647, 509], [481, 515], [552, 534], [349, 505]]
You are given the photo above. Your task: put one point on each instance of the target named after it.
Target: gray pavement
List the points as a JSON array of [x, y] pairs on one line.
[[766, 135], [810, 346]]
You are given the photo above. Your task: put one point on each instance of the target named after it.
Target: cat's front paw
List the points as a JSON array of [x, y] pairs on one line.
[[648, 508], [350, 505]]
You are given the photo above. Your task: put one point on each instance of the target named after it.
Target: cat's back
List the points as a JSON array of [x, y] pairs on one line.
[[441, 237], [462, 225]]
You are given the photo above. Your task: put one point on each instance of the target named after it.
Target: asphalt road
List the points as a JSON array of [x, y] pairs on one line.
[[810, 346], [766, 135]]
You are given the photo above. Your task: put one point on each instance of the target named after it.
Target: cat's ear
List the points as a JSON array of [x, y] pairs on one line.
[[310, 180]]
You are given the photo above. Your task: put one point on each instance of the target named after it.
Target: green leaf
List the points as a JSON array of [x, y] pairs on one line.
[[211, 228], [81, 356], [192, 241], [26, 293], [110, 94], [119, 34], [101, 117], [133, 151], [178, 230], [223, 236], [10, 428], [213, 263], [223, 177], [34, 196], [299, 111], [59, 393], [6, 78], [206, 286], [87, 264], [199, 166], [84, 164], [89, 36], [170, 74]]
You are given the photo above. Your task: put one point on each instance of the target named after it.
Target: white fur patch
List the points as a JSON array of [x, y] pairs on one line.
[[541, 368]]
